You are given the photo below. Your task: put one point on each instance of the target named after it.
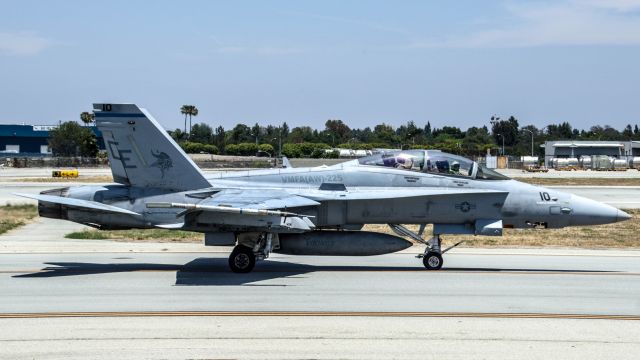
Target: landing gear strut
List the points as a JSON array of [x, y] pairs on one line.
[[432, 256], [251, 248]]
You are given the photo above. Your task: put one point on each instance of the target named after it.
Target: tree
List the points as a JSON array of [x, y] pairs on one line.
[[505, 131], [201, 133], [562, 131], [71, 139], [219, 138], [385, 134], [239, 134], [256, 132], [177, 135], [338, 129], [87, 117], [188, 110], [427, 130]]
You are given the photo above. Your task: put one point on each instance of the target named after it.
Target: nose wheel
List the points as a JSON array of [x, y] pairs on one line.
[[432, 260]]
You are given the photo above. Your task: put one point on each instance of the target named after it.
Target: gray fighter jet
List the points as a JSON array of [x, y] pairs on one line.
[[306, 211]]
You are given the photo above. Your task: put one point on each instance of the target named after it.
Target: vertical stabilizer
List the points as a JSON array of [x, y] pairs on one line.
[[141, 153]]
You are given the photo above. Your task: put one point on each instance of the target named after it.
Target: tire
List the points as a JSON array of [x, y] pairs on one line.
[[242, 260], [432, 261]]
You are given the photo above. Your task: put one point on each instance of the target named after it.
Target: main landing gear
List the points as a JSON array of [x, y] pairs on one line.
[[242, 259], [432, 256], [251, 248]]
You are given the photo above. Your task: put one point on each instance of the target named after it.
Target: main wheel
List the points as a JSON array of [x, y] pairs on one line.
[[242, 260], [432, 261]]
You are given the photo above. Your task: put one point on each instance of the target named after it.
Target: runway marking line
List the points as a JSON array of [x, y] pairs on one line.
[[443, 271], [316, 314]]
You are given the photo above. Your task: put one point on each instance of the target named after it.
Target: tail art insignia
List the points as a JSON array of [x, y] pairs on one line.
[[163, 161]]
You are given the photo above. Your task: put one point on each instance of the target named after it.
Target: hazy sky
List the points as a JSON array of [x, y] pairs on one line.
[[365, 62]]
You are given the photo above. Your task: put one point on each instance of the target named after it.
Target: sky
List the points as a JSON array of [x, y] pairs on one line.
[[364, 62]]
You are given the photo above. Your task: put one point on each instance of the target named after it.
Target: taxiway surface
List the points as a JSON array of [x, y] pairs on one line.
[[481, 282], [496, 304]]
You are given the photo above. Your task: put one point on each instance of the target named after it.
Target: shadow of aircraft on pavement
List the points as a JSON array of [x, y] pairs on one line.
[[215, 271]]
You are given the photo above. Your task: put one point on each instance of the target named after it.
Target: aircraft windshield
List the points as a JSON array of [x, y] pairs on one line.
[[430, 161], [485, 173]]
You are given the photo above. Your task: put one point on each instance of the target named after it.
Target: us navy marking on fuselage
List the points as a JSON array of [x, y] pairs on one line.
[[465, 206]]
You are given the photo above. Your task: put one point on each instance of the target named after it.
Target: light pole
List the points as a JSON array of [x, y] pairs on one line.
[[494, 120], [279, 145], [531, 140]]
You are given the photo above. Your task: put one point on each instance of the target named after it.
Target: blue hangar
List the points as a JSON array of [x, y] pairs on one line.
[[30, 140]]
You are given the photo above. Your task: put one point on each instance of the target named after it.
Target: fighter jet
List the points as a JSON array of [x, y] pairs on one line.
[[306, 211]]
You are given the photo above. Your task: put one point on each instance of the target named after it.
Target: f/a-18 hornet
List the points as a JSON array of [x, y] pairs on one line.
[[306, 211]]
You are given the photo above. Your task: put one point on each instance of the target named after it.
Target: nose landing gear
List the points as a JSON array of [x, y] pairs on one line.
[[432, 256]]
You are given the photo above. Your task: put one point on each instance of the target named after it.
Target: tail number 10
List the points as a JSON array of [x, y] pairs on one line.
[[544, 196], [106, 107]]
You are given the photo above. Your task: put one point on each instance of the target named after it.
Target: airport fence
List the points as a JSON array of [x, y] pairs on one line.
[[54, 162]]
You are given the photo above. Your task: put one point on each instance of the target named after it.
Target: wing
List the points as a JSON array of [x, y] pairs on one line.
[[259, 199], [248, 208]]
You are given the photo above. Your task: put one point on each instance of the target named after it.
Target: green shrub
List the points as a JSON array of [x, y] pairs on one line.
[[197, 148], [305, 149]]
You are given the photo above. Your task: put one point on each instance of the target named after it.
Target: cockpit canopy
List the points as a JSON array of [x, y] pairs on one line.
[[432, 161]]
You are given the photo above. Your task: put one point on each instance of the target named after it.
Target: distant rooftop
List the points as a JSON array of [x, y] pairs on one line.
[[32, 130]]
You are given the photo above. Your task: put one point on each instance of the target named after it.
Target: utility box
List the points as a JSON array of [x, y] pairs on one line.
[[65, 173]]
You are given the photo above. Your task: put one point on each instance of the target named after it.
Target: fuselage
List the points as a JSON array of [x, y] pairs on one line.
[[467, 198]]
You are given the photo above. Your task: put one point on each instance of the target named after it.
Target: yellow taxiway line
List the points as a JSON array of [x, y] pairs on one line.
[[316, 314]]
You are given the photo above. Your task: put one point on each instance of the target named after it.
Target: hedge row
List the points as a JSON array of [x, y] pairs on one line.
[[198, 148], [250, 149]]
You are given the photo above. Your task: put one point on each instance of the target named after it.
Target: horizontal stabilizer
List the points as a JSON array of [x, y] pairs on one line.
[[78, 203]]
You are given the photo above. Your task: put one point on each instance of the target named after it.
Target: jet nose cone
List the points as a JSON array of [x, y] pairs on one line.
[[590, 212], [622, 216]]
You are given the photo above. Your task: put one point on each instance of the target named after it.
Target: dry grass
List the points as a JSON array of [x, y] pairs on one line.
[[139, 235], [13, 216], [619, 235], [581, 181]]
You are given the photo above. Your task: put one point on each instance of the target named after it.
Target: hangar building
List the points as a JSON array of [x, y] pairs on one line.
[[575, 149], [31, 140]]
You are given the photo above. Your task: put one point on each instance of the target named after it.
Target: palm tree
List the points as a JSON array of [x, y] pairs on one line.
[[194, 112], [188, 110], [185, 111], [87, 117]]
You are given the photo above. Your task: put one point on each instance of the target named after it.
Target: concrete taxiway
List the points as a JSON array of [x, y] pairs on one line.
[[524, 303]]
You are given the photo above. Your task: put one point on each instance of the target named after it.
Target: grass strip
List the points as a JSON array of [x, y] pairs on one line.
[[13, 216]]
